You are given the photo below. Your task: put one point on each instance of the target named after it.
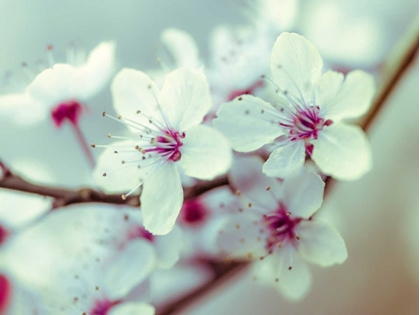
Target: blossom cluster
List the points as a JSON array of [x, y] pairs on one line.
[[260, 111]]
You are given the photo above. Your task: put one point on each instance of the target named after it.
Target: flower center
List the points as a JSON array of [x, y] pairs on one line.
[[101, 307], [69, 110], [5, 293], [304, 124], [141, 232], [167, 145], [193, 212], [3, 235], [281, 227]]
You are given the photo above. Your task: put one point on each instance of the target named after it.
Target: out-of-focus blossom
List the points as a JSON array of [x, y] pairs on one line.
[[336, 32], [54, 99], [200, 221], [165, 135], [118, 226], [277, 229], [307, 116]]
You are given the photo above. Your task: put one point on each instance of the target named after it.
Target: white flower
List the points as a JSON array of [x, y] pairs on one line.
[[102, 285], [52, 110], [276, 227], [165, 135], [60, 92], [308, 115], [118, 226]]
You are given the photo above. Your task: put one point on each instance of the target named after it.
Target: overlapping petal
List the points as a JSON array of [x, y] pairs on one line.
[[286, 160], [246, 123], [132, 308], [185, 98], [206, 153], [129, 268], [295, 65], [354, 97], [161, 199], [343, 152], [321, 244]]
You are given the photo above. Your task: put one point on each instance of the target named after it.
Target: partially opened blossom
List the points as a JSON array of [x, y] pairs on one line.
[[49, 108], [276, 227], [308, 117], [165, 134], [200, 220]]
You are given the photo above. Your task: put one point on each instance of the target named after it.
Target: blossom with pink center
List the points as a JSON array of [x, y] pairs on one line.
[[165, 134], [276, 228], [307, 117], [54, 102]]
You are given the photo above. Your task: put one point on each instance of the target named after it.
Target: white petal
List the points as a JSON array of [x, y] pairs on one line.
[[343, 152], [161, 199], [132, 308], [241, 237], [295, 65], [60, 83], [354, 98], [247, 177], [321, 244], [285, 161], [119, 177], [21, 108], [294, 283], [185, 98], [303, 193], [182, 47], [28, 207], [133, 90], [97, 70], [206, 153], [247, 123], [168, 248], [329, 85], [129, 268]]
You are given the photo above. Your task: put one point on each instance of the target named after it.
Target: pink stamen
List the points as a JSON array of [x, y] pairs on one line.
[[281, 227], [71, 111], [193, 212]]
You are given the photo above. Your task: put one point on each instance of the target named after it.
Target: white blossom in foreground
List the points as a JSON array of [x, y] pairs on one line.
[[308, 116], [60, 93], [165, 134], [276, 227]]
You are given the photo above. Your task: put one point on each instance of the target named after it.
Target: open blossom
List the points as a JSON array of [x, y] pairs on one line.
[[52, 108], [308, 116], [276, 227], [165, 134], [109, 285]]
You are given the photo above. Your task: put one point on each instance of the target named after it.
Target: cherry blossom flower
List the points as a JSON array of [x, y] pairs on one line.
[[277, 228], [307, 117], [55, 99], [165, 135]]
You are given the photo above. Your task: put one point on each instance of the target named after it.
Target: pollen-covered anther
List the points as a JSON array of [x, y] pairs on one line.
[[268, 188], [238, 193], [103, 114], [104, 174], [123, 197], [93, 145], [290, 268], [297, 237], [237, 226], [249, 256], [109, 135], [249, 204]]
